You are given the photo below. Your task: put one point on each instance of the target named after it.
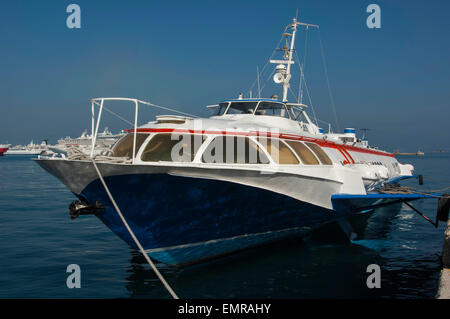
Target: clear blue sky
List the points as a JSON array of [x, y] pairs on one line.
[[187, 54]]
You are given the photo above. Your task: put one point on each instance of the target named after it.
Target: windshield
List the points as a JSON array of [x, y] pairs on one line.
[[221, 108], [124, 146], [242, 107], [272, 109]]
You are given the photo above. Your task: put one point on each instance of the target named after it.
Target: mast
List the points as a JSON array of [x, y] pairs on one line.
[[288, 71], [283, 68]]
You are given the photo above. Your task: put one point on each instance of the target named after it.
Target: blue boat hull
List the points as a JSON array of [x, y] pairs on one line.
[[181, 220]]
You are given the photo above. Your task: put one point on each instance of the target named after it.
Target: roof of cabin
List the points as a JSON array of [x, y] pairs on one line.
[[253, 100]]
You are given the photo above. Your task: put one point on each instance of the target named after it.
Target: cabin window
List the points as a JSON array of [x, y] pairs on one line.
[[233, 149], [272, 109], [221, 108], [124, 147], [323, 157], [347, 139], [305, 154], [172, 148], [242, 107], [296, 113], [279, 151]]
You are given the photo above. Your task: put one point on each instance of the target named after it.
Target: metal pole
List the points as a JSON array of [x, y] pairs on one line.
[[92, 125], [94, 138], [136, 103], [288, 70]]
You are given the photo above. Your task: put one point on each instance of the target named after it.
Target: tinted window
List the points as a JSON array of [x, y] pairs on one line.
[[242, 107], [280, 153], [323, 157], [233, 149], [305, 154], [124, 147], [272, 109], [172, 148], [221, 108]]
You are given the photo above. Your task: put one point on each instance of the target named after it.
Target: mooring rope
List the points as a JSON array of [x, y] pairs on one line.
[[150, 262], [76, 154], [404, 190]]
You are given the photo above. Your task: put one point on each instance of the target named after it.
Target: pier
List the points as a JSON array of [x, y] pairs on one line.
[[444, 285]]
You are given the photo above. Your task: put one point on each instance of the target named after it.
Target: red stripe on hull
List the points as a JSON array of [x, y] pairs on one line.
[[323, 143], [343, 152], [348, 155]]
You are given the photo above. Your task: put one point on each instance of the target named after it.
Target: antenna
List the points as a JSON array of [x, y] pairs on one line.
[[283, 75], [364, 130]]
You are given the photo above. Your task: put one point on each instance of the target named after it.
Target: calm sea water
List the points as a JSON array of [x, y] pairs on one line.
[[38, 241]]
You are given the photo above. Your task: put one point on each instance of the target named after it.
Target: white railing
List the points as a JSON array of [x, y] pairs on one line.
[[100, 102]]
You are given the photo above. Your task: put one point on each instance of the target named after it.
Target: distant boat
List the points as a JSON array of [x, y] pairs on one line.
[[104, 141], [106, 138], [418, 153], [4, 148], [30, 149]]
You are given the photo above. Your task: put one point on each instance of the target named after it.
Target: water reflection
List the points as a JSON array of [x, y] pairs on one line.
[[323, 266], [288, 269]]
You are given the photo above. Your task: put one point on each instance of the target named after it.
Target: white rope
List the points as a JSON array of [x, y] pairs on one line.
[[165, 108], [402, 190], [259, 86], [265, 82], [300, 91], [328, 83], [161, 278], [439, 190], [306, 87], [75, 154]]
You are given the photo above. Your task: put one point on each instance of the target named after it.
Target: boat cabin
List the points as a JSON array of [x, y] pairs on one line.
[[219, 149], [268, 107]]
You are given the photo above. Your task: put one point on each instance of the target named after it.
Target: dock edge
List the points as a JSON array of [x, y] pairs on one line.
[[444, 282]]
